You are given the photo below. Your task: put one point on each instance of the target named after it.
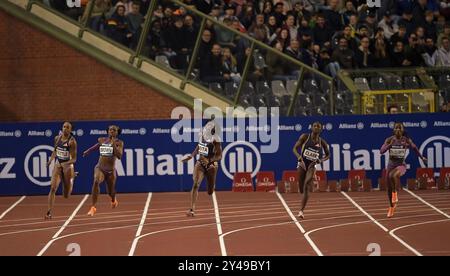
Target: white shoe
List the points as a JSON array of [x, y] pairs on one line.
[[301, 215]]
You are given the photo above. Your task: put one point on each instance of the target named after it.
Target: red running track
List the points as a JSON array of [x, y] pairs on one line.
[[242, 224]]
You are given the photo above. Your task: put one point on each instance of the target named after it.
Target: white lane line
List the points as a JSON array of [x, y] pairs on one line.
[[55, 236], [141, 225]]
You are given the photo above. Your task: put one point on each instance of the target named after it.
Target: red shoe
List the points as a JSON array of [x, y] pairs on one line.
[[92, 211], [394, 198], [114, 203], [390, 213]]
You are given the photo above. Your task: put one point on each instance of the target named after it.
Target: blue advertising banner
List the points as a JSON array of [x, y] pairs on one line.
[[152, 157]]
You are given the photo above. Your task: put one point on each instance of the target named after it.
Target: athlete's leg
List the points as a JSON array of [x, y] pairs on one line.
[[307, 186], [211, 178], [54, 184], [68, 178], [198, 178], [111, 188], [99, 177], [301, 178]]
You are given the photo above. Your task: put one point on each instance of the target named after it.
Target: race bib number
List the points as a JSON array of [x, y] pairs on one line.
[[106, 150], [311, 155], [62, 154], [397, 153], [203, 149]]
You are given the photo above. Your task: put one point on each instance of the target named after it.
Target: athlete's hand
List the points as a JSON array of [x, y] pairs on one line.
[[204, 162], [186, 158]]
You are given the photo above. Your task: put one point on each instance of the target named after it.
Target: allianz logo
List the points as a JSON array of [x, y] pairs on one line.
[[441, 124], [46, 133], [17, 133], [358, 125], [379, 125]]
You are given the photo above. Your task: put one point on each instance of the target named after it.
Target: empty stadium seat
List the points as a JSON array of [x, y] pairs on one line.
[[377, 83], [411, 82]]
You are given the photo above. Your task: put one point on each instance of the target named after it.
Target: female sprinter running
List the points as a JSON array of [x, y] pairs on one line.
[[397, 146], [210, 151], [312, 149], [111, 149], [65, 152]]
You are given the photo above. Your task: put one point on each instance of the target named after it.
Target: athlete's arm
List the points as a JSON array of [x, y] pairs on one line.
[[94, 147], [217, 154], [189, 157], [416, 150], [73, 152], [299, 144], [326, 150], [387, 145], [117, 148], [52, 157]]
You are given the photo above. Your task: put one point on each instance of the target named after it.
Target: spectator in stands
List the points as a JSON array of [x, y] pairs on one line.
[[381, 54], [445, 107], [155, 41], [258, 30], [371, 24], [388, 25], [400, 35], [430, 26], [225, 37], [428, 55], [267, 10], [230, 65], [134, 20], [276, 64], [99, 11], [191, 32], [176, 38], [293, 51], [206, 44], [291, 26], [363, 55], [332, 15], [344, 56], [398, 55], [419, 12], [211, 67], [283, 38], [300, 11], [412, 52], [322, 34], [273, 30], [347, 11], [347, 34], [446, 33], [248, 16], [127, 4], [392, 109], [278, 13], [442, 55], [408, 21], [117, 26]]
